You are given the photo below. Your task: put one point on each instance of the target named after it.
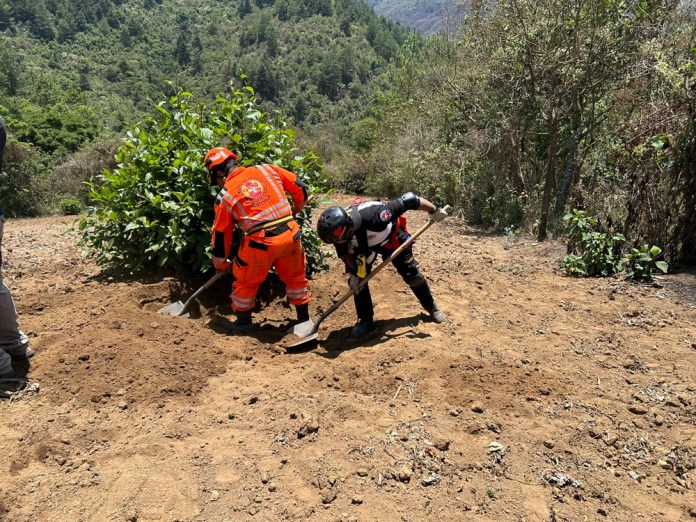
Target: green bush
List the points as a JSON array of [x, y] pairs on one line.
[[24, 181], [591, 253], [155, 208], [640, 263], [70, 206]]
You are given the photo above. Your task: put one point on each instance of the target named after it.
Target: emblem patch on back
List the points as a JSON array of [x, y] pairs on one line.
[[385, 215], [254, 190]]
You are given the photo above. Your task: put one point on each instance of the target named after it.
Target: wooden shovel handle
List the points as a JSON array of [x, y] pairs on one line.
[[210, 281]]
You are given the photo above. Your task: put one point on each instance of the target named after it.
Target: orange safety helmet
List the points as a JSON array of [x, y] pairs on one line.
[[217, 159]]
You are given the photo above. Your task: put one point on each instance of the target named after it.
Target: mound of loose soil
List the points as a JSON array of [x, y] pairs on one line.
[[541, 398]]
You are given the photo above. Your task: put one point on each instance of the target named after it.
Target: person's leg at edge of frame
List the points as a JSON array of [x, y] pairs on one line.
[[249, 270], [14, 344]]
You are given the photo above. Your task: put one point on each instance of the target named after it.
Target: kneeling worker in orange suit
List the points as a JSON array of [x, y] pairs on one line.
[[253, 199]]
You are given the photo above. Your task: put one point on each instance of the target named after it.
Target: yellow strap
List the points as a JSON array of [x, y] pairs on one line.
[[362, 266], [269, 224]]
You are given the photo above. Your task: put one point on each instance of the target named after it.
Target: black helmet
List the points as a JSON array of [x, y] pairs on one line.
[[334, 225]]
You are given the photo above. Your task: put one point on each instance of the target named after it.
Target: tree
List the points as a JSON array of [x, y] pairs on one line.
[[155, 208], [181, 52], [12, 70], [244, 8]]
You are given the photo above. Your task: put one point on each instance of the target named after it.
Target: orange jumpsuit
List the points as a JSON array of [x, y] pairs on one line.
[[253, 198]]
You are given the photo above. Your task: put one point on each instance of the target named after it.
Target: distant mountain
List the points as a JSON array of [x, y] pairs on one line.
[[427, 16]]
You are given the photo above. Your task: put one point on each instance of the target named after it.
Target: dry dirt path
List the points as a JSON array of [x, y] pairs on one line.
[[542, 398]]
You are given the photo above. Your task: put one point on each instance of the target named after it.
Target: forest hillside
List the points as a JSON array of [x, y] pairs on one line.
[[560, 386], [77, 75], [518, 115], [427, 16]]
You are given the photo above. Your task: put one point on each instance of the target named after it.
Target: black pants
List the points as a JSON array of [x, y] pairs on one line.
[[407, 267]]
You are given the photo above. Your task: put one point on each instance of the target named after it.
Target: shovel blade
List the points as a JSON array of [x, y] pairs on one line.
[[172, 309], [307, 331], [304, 340], [304, 329]]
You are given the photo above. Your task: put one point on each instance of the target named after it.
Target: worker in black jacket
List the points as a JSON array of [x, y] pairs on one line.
[[365, 230]]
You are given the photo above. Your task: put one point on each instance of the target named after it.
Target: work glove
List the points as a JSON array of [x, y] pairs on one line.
[[354, 283], [222, 264], [438, 214]]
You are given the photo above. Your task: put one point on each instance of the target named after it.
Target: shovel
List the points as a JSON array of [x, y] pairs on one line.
[[178, 309], [309, 330]]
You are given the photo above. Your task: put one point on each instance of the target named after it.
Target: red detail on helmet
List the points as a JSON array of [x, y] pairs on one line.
[[338, 232]]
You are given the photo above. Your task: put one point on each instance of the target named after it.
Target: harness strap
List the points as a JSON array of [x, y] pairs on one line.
[[269, 224], [359, 231]]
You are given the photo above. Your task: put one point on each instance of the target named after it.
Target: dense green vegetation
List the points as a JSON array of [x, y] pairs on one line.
[[155, 208], [78, 74], [538, 107], [532, 109]]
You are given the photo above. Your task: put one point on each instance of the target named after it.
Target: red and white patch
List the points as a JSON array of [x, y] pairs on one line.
[[385, 215], [253, 189]]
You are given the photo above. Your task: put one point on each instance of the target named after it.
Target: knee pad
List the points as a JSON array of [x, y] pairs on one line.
[[415, 280]]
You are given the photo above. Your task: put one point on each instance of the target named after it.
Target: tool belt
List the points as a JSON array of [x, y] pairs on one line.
[[270, 226]]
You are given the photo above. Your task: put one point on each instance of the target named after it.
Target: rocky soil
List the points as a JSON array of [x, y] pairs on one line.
[[542, 398]]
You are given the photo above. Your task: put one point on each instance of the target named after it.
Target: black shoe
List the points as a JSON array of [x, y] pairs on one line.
[[243, 323], [21, 354], [362, 329], [437, 315], [241, 326]]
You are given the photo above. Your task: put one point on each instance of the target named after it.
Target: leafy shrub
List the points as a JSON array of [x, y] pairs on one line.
[[71, 176], [70, 206], [640, 263], [24, 181], [155, 208], [591, 253]]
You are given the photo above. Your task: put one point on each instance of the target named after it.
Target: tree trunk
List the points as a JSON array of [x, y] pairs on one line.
[[548, 185], [687, 231], [569, 173]]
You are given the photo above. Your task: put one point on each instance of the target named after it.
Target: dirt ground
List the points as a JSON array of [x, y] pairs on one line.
[[541, 398]]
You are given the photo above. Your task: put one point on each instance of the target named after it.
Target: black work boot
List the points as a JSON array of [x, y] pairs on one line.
[[362, 328], [243, 323], [437, 315], [21, 354], [302, 313]]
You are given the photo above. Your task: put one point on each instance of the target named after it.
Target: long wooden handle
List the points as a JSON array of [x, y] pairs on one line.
[[210, 281]]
